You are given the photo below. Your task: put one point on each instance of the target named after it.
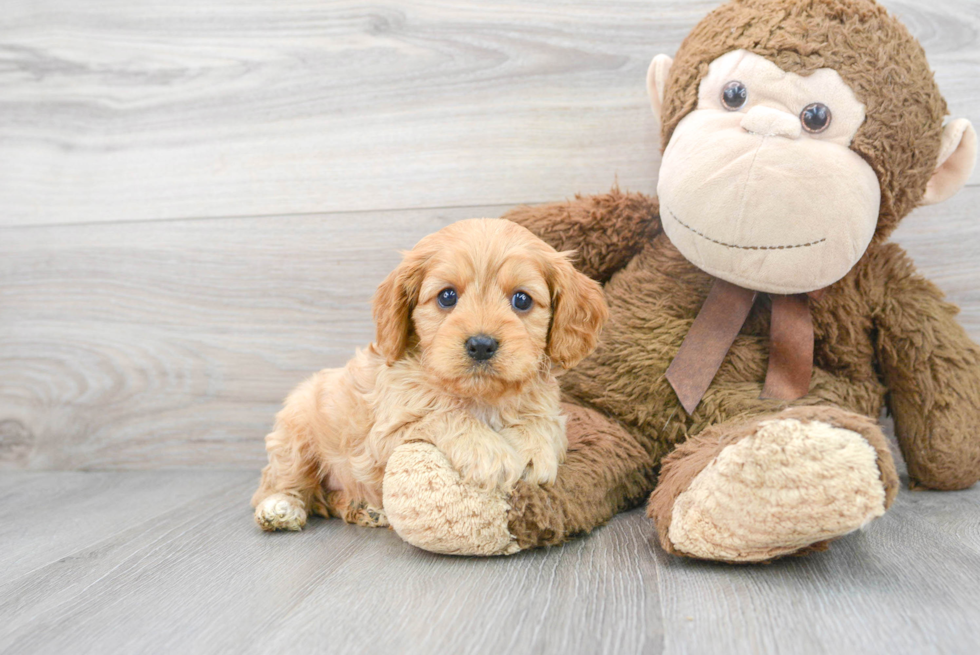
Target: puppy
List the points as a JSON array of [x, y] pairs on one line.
[[471, 327]]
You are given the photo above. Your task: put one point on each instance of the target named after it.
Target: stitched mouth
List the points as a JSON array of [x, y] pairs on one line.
[[734, 245]]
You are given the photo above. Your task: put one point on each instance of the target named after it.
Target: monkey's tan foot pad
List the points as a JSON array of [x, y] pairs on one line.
[[787, 486], [430, 507], [280, 512]]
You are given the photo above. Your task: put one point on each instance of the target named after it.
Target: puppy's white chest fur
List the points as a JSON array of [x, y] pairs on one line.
[[491, 443], [491, 416]]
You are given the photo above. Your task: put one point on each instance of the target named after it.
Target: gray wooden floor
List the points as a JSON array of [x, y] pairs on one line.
[[169, 561], [196, 202]]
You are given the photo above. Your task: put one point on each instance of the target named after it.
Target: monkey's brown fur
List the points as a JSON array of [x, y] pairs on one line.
[[883, 334]]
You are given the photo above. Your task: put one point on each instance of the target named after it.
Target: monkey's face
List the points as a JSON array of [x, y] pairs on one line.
[[758, 185]]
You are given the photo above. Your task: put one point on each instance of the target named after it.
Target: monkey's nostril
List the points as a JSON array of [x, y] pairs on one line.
[[481, 347]]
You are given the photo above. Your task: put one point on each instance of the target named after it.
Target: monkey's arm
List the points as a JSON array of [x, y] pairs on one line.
[[606, 230], [932, 370], [606, 471]]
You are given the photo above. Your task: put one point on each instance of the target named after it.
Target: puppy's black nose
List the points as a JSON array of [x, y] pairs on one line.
[[481, 347]]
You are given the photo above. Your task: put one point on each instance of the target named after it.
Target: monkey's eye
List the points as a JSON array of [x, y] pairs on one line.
[[815, 117], [734, 95], [446, 298], [521, 301]]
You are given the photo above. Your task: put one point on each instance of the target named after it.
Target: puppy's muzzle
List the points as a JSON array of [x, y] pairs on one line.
[[481, 347]]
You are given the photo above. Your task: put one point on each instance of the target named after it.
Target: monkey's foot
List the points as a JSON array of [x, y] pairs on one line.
[[280, 512], [773, 486], [430, 507]]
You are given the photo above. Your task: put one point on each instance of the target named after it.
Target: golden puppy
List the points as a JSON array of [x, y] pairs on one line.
[[469, 327]]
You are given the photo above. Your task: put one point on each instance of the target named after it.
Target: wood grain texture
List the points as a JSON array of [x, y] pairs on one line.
[[171, 344], [202, 578], [148, 345], [48, 518], [906, 583], [197, 200], [144, 110], [195, 575], [902, 585]]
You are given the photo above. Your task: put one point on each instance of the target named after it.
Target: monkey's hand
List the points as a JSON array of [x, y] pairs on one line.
[[605, 471]]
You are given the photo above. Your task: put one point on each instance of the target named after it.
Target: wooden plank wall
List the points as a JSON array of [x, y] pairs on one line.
[[198, 198]]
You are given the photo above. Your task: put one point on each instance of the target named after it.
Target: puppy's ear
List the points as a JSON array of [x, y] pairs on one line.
[[578, 312], [393, 304]]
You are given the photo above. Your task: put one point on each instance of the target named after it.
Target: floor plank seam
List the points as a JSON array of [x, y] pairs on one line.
[[129, 528], [503, 206]]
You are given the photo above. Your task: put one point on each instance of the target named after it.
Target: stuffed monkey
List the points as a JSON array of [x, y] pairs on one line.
[[760, 319]]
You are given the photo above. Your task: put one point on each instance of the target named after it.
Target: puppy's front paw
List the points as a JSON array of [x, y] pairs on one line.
[[487, 465], [542, 467], [280, 512]]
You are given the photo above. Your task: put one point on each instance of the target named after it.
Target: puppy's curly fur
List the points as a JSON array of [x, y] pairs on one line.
[[497, 419]]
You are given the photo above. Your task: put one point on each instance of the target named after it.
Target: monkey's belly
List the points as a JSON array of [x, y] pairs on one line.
[[625, 377]]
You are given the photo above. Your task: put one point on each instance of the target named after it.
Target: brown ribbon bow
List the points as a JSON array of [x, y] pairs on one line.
[[714, 331]]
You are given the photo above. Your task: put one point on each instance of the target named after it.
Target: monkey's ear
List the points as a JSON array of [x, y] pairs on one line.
[[957, 156], [657, 81]]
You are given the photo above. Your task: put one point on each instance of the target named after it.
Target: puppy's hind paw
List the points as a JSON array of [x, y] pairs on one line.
[[365, 515], [280, 512]]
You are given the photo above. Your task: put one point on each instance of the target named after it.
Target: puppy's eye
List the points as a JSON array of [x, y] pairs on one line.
[[446, 298], [521, 301]]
